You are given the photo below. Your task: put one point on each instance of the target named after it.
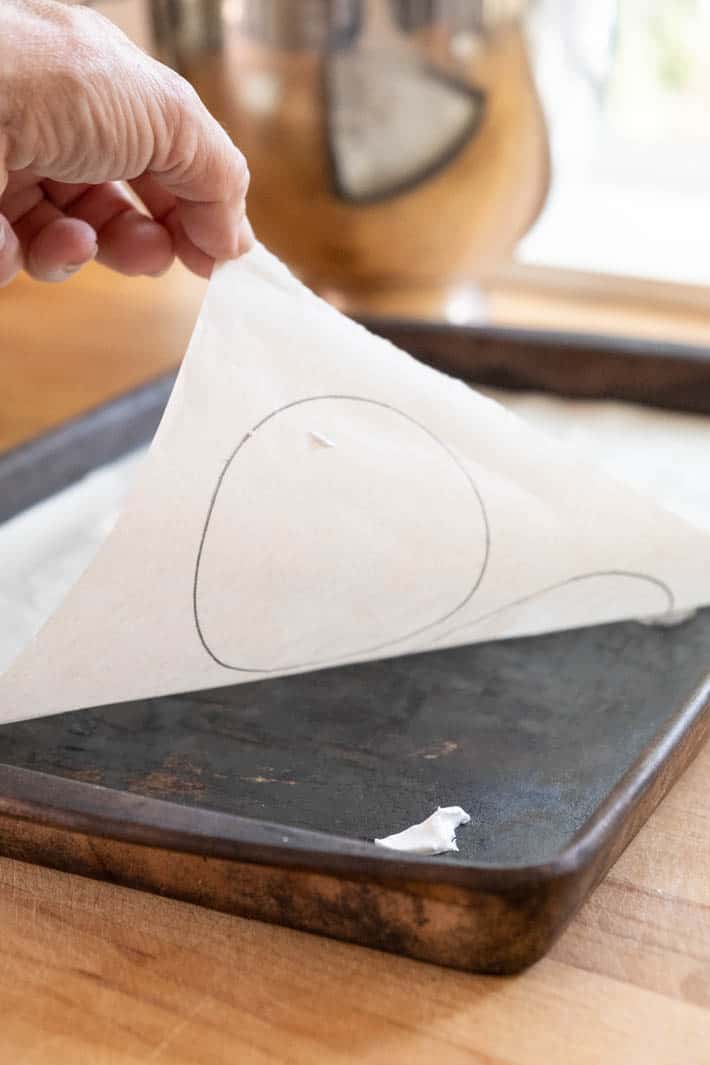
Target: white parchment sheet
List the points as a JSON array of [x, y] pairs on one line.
[[315, 496]]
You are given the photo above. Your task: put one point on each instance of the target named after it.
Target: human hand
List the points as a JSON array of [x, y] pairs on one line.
[[81, 110]]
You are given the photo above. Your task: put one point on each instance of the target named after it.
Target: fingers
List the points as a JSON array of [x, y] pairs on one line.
[[128, 241], [196, 162], [157, 199], [134, 244], [163, 205], [59, 249], [57, 227], [125, 116], [53, 247], [38, 237], [10, 252], [194, 259]]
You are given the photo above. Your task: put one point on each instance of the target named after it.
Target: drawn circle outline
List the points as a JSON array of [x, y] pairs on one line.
[[322, 663]]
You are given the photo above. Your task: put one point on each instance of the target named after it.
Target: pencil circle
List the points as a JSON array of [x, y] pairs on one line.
[[339, 526]]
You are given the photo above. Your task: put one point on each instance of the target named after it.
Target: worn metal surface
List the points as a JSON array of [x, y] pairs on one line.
[[33, 471], [559, 746], [527, 735]]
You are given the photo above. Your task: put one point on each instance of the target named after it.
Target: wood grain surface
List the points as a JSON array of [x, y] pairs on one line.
[[67, 348], [93, 974]]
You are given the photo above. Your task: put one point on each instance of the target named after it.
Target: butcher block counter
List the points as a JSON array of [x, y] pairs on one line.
[[93, 974]]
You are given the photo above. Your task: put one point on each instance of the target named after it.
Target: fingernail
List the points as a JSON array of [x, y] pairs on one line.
[[63, 272], [161, 273], [3, 233]]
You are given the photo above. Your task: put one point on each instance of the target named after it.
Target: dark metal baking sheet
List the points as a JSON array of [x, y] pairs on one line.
[[559, 746]]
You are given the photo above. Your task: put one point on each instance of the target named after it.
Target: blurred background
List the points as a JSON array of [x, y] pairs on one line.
[[537, 164], [404, 151]]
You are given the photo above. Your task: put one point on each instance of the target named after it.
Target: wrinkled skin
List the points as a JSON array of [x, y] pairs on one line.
[[81, 110]]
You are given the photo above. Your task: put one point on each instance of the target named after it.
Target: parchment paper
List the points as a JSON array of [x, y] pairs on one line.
[[315, 496]]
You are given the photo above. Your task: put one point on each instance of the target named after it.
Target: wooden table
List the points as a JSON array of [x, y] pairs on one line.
[[92, 974]]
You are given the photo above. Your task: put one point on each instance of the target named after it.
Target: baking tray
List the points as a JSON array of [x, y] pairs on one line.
[[260, 799]]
